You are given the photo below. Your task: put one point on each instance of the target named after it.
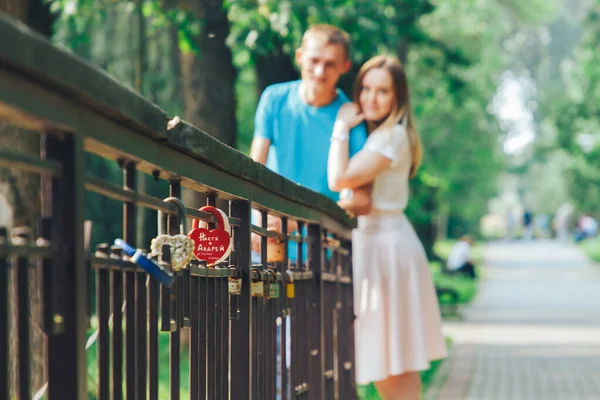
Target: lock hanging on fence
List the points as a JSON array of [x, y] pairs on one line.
[[213, 246], [181, 247]]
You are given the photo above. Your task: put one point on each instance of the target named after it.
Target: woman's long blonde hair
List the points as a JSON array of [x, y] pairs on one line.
[[401, 107]]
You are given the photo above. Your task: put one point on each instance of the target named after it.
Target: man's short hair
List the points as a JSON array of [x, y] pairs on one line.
[[331, 34]]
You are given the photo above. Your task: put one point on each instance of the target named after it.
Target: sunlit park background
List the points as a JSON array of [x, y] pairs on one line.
[[505, 94]]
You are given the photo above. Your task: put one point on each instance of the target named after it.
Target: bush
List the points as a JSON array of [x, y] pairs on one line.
[[591, 247]]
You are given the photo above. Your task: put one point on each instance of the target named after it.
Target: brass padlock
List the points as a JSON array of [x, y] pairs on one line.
[[275, 249], [257, 287], [234, 283], [290, 288]]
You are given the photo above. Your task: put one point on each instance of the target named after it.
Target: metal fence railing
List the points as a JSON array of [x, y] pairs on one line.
[[121, 325]]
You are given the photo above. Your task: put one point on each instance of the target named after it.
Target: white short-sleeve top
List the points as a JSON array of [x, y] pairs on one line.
[[390, 188]]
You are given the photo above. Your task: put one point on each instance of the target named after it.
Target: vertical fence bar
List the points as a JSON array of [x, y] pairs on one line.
[[153, 359], [66, 345], [283, 370], [23, 325], [328, 342], [210, 326], [225, 334], [194, 335], [4, 318], [175, 372], [130, 235], [203, 331], [103, 314], [315, 264], [141, 334], [117, 331], [241, 328]]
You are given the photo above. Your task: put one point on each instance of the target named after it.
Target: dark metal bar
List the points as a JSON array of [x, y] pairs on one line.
[[23, 324], [29, 163], [211, 345], [103, 348], [203, 330], [153, 359], [25, 250], [175, 371], [241, 328], [117, 331], [194, 338], [4, 321], [66, 362], [225, 334], [141, 334], [130, 235], [218, 336], [315, 264], [100, 186], [283, 370]]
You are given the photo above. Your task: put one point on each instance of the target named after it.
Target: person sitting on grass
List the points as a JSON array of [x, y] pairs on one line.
[[459, 260]]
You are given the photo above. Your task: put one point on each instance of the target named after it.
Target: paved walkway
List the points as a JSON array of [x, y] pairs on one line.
[[533, 332]]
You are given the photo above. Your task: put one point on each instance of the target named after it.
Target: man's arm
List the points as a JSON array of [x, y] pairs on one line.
[[260, 149]]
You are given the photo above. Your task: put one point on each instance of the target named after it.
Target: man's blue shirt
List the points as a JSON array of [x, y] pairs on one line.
[[299, 135]]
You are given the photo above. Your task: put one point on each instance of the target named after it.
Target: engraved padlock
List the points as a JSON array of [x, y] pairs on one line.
[[181, 247], [214, 245]]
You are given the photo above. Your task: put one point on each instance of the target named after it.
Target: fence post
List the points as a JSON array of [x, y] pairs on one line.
[[66, 343], [316, 340], [241, 328]]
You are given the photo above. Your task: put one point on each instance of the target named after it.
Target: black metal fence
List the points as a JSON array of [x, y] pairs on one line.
[[286, 335]]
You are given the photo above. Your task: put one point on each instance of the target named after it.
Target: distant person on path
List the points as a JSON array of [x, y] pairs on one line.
[[587, 228], [459, 260], [561, 222], [398, 328], [511, 225], [527, 225]]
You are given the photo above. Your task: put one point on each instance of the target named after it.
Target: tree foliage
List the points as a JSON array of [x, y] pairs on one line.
[[454, 53]]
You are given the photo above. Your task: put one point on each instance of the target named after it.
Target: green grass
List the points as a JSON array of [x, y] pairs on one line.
[[163, 369], [591, 247]]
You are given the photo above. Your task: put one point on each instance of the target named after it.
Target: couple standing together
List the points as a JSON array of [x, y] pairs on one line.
[[310, 133]]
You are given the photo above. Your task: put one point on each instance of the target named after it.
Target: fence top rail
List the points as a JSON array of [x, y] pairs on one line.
[[32, 57]]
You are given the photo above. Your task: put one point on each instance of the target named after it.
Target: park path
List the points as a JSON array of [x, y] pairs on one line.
[[533, 331]]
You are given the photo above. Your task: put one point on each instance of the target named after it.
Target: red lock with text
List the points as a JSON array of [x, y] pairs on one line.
[[212, 245]]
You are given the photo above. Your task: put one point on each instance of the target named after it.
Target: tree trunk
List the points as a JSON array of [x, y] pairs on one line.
[[208, 75], [20, 196]]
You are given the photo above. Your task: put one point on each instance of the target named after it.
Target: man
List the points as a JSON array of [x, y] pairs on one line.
[[294, 120], [459, 259]]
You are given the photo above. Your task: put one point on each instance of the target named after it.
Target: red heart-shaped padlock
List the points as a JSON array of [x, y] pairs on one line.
[[212, 246]]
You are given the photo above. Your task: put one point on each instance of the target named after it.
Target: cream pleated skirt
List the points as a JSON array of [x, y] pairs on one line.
[[398, 326]]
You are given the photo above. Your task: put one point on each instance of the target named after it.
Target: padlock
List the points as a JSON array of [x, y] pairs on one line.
[[275, 249], [290, 288], [273, 285], [234, 283], [257, 287], [212, 246], [182, 247]]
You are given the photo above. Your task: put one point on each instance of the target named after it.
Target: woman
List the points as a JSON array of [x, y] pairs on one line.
[[398, 325]]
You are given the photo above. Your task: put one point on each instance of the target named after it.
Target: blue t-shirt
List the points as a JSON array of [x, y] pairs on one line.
[[299, 134]]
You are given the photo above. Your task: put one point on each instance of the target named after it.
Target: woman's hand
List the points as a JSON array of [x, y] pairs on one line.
[[350, 115], [360, 203]]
